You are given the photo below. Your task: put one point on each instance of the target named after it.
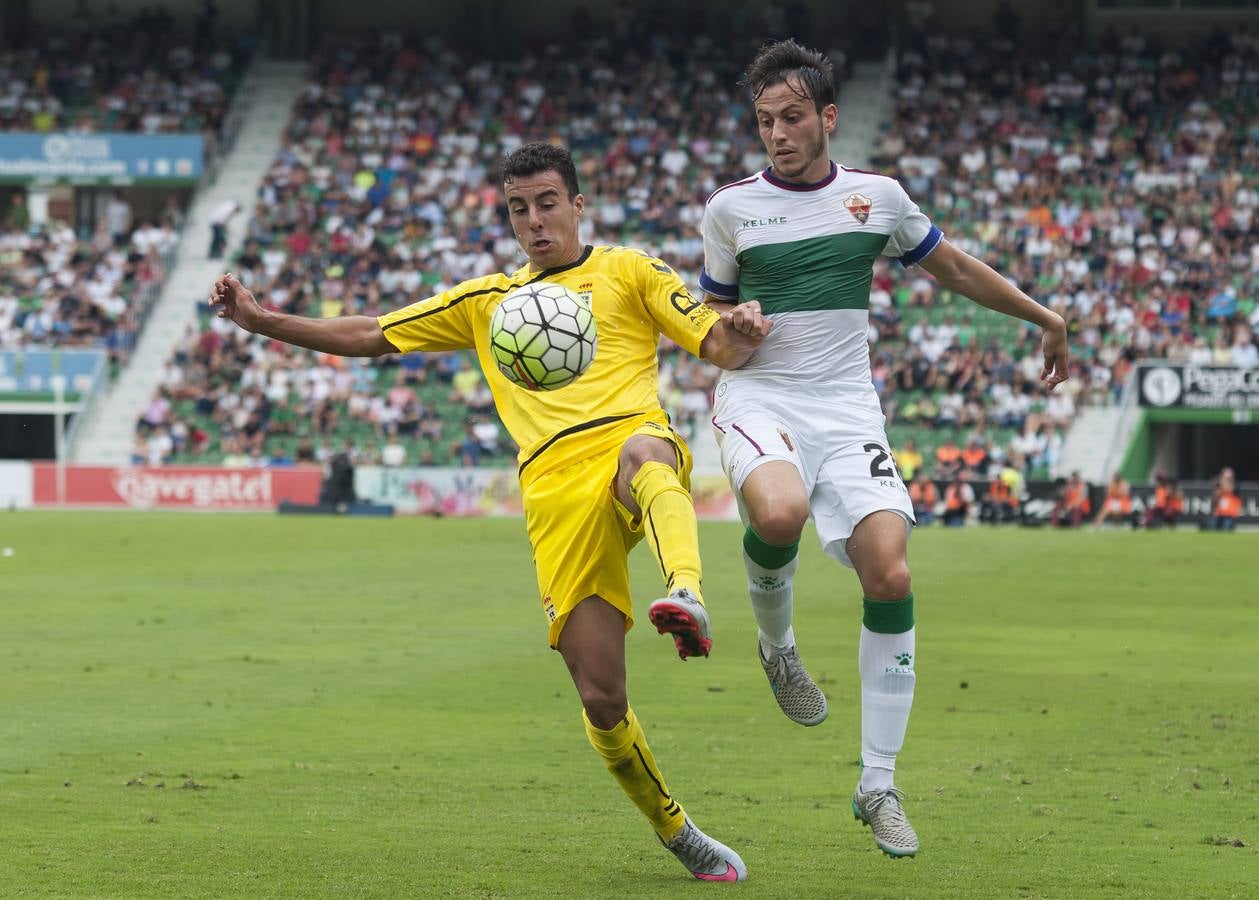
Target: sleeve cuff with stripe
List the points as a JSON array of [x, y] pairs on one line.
[[924, 248], [711, 286]]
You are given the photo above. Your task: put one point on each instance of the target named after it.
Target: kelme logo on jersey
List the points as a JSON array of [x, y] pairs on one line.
[[761, 223], [859, 205]]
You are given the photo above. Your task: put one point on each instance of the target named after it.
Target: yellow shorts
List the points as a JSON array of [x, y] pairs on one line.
[[582, 534]]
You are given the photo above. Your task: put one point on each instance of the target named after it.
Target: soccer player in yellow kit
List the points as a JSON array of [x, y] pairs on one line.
[[599, 464]]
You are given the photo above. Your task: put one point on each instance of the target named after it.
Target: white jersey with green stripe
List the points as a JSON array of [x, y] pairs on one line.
[[806, 252]]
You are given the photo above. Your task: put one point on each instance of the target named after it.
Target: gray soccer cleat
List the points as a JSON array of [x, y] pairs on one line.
[[682, 615], [882, 811], [800, 699], [706, 859]]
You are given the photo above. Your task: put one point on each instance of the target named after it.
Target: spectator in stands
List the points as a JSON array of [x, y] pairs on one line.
[[17, 217], [924, 496], [948, 460], [1072, 505], [467, 451], [1226, 505], [1001, 500], [1117, 505], [1245, 353], [1168, 504], [959, 498], [117, 219], [974, 457], [393, 454], [220, 215], [278, 459], [486, 431], [908, 460]]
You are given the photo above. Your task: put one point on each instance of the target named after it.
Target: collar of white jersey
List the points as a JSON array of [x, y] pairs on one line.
[[777, 182]]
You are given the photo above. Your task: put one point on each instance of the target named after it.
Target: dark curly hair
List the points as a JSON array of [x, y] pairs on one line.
[[539, 156], [787, 59]]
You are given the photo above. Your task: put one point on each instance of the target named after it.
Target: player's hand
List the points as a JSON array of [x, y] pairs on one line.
[[231, 300], [1057, 357], [747, 319]]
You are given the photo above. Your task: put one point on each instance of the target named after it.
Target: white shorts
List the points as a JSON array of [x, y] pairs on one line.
[[837, 444]]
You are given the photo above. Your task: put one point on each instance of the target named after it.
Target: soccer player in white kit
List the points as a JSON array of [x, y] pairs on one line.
[[800, 427]]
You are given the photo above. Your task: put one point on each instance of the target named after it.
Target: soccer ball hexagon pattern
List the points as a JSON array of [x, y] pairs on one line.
[[542, 336]]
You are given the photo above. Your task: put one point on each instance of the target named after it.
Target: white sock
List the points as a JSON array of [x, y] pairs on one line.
[[886, 662], [770, 593]]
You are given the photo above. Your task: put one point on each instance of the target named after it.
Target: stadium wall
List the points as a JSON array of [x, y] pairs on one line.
[[422, 491]]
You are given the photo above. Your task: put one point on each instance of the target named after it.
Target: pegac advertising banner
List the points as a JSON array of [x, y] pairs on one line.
[[177, 487], [101, 158], [1198, 387], [491, 492]]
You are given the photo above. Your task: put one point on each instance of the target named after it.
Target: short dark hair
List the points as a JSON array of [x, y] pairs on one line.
[[539, 156], [781, 60]]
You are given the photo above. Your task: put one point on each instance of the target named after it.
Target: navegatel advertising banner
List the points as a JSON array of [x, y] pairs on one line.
[[177, 487], [101, 158], [1198, 387]]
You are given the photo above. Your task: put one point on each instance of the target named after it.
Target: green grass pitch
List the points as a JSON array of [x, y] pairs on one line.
[[239, 705]]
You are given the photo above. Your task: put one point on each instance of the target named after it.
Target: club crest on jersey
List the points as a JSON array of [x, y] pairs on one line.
[[859, 205]]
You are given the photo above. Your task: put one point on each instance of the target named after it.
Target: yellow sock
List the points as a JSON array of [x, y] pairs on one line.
[[626, 754], [669, 520]]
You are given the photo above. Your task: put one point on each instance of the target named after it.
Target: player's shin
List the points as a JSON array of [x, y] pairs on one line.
[[669, 521], [886, 660], [770, 569], [625, 752]]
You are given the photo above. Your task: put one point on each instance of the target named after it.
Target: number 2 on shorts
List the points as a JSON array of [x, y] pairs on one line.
[[877, 469]]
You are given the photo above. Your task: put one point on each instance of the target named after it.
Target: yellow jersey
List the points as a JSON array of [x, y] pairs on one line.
[[635, 299]]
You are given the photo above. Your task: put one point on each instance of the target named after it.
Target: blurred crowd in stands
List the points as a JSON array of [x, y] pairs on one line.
[[136, 73], [91, 286], [1113, 182], [58, 289]]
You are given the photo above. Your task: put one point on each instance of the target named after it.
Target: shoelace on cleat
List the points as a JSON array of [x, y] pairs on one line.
[[893, 816], [700, 855]]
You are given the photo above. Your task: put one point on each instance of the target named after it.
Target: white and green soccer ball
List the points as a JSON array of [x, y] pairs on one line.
[[542, 336]]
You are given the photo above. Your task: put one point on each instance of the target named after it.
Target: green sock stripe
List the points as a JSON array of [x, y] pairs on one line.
[[768, 556], [889, 616]]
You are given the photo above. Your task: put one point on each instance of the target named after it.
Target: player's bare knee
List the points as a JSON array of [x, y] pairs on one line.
[[780, 523], [639, 451], [889, 583], [604, 706]]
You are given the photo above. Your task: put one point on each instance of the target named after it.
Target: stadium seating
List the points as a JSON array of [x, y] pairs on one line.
[[140, 74], [384, 192]]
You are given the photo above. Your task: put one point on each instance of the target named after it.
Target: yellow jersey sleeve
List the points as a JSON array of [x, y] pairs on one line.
[[675, 313], [444, 321]]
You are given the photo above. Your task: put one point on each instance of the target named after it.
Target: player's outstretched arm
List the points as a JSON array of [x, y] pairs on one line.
[[343, 336], [734, 338], [958, 271]]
